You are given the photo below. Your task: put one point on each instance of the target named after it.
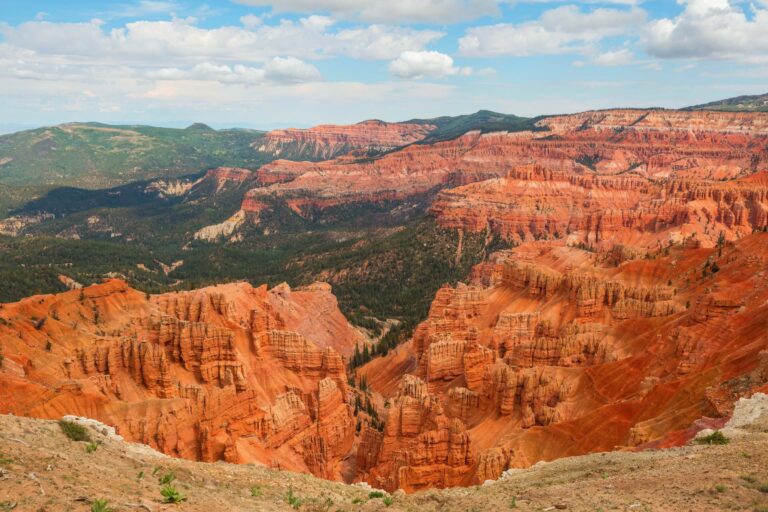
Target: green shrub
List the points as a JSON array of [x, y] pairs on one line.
[[388, 500], [256, 491], [92, 447], [74, 431], [293, 500], [171, 495], [167, 478], [715, 437], [720, 488], [375, 494], [763, 487], [748, 478], [101, 506]]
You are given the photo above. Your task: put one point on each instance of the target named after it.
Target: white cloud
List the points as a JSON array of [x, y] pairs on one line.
[[620, 57], [418, 65], [144, 8], [251, 20], [565, 29], [710, 29], [158, 43], [279, 70], [387, 11]]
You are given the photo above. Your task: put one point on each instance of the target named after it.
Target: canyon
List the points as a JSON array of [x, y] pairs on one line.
[[621, 305], [665, 165]]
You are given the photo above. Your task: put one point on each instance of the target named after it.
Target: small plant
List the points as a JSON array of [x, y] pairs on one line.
[[748, 478], [715, 437], [387, 501], [256, 491], [167, 478], [720, 488], [155, 470], [358, 501], [101, 506], [763, 487], [92, 447], [4, 460], [513, 502], [74, 431], [6, 506], [140, 475], [293, 500], [375, 494], [171, 495]]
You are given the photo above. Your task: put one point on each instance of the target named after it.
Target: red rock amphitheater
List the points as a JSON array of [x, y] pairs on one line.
[[633, 304]]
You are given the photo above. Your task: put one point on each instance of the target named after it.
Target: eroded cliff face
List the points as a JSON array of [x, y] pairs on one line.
[[329, 141], [229, 372], [601, 211], [616, 169], [550, 351]]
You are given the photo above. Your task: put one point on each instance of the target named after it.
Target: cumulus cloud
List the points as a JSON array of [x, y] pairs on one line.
[[416, 65], [387, 11], [710, 29], [279, 70], [565, 29], [159, 42]]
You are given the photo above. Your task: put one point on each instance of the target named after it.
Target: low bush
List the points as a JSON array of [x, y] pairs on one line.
[[715, 437], [74, 431], [172, 495]]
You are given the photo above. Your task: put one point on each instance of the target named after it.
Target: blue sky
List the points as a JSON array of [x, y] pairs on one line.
[[262, 63]]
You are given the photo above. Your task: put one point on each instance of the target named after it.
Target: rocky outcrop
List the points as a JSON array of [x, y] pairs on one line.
[[551, 351], [221, 373], [420, 446]]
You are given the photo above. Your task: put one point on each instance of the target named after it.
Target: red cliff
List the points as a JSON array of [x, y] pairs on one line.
[[327, 141], [228, 372]]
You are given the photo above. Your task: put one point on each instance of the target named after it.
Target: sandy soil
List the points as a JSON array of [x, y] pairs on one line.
[[42, 470]]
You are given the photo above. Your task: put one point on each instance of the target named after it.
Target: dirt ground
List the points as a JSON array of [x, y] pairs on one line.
[[42, 470]]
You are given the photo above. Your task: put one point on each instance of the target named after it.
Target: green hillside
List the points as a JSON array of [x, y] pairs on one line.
[[92, 155], [450, 127], [756, 103]]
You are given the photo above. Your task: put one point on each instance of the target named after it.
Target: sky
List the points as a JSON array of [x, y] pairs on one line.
[[268, 64]]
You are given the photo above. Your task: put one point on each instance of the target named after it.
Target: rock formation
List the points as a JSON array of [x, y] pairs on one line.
[[228, 372], [329, 141], [594, 174], [551, 351]]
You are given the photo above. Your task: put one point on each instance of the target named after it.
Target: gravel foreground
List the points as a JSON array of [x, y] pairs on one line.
[[43, 470]]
